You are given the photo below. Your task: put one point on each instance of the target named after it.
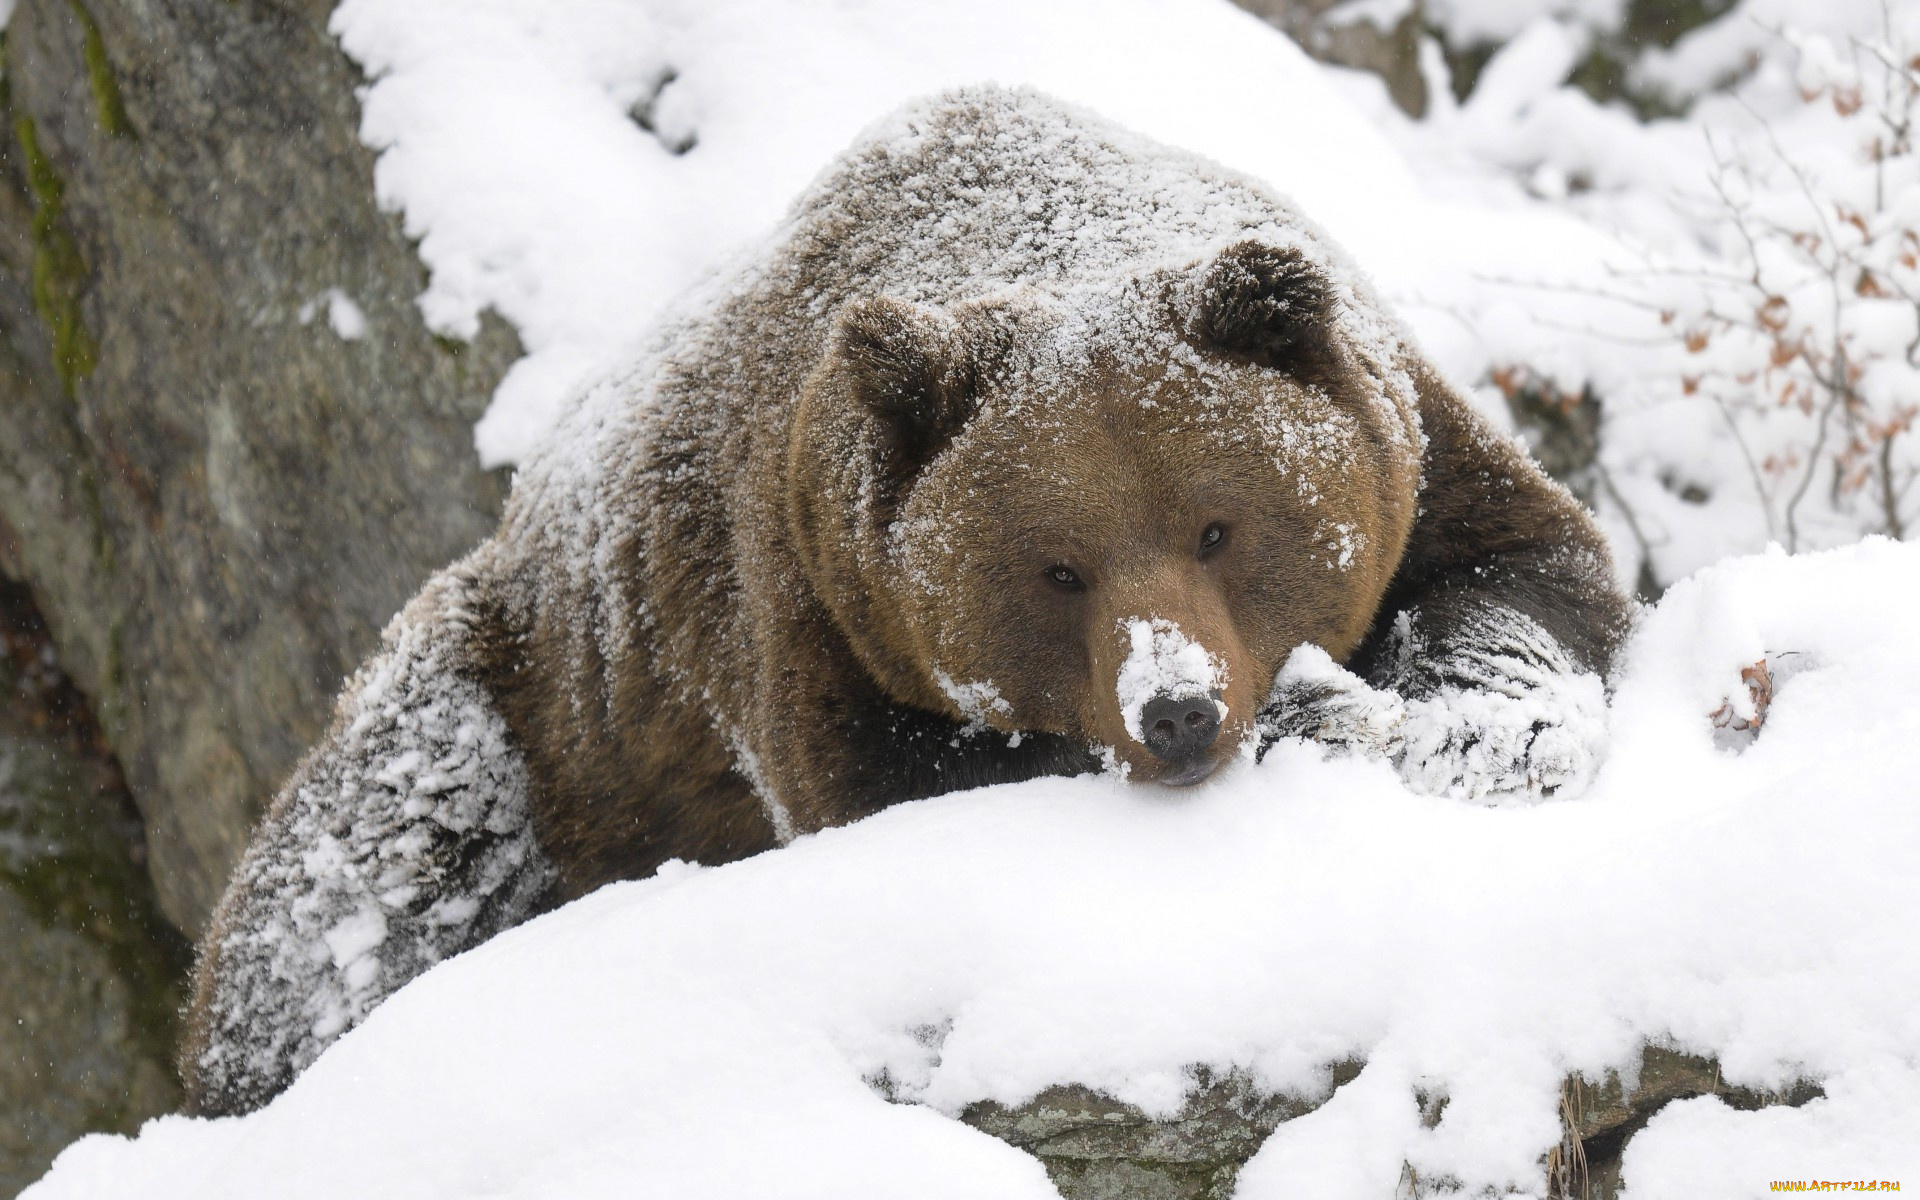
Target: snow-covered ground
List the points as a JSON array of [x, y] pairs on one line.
[[708, 1032]]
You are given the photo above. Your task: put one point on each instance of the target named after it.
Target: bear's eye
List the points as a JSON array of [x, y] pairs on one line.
[[1210, 540], [1064, 577]]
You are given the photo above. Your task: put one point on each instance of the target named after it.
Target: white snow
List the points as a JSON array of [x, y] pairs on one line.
[[356, 936], [707, 1032], [508, 140], [1342, 540], [974, 700], [1161, 661], [346, 318]]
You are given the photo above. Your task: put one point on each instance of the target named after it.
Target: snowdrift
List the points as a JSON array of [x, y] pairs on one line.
[[716, 1031]]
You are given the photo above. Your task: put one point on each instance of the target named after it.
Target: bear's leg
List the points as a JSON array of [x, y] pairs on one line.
[[403, 839]]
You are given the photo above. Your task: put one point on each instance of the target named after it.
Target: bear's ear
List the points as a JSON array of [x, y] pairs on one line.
[[1269, 303], [905, 365]]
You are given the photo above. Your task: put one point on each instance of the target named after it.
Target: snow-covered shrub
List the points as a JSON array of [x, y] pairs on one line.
[[1806, 336], [1787, 369], [1744, 369]]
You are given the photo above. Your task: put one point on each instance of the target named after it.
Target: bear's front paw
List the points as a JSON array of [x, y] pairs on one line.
[[1475, 743], [1316, 698]]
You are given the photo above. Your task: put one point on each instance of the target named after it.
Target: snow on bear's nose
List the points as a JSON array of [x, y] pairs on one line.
[[1169, 688]]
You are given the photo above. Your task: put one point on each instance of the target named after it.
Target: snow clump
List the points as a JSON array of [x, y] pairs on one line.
[[346, 318], [1163, 662], [974, 700]]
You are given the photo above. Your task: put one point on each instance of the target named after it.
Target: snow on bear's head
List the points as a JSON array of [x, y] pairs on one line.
[[1110, 510]]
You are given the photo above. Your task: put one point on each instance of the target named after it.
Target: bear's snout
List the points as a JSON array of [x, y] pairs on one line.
[[1175, 692], [1179, 730]]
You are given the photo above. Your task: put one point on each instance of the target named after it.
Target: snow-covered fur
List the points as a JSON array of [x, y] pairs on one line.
[[1504, 711], [874, 519], [401, 841]]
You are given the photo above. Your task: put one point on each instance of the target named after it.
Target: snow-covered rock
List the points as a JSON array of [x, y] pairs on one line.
[[723, 1032]]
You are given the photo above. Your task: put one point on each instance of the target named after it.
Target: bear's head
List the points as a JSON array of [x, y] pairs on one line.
[[1109, 514]]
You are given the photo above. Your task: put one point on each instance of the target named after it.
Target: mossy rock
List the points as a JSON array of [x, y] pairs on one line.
[[218, 505]]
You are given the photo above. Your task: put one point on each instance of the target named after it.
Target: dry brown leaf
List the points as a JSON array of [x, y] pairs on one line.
[[1759, 681]]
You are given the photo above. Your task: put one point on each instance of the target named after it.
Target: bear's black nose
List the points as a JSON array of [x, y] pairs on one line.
[[1179, 729]]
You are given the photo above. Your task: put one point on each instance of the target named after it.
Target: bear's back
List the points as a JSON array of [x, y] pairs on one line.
[[984, 188]]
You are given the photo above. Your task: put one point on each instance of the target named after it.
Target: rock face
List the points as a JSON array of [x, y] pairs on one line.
[[229, 448], [89, 974], [1097, 1149]]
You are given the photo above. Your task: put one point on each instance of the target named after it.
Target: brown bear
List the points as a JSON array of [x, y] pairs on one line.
[[1025, 446]]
